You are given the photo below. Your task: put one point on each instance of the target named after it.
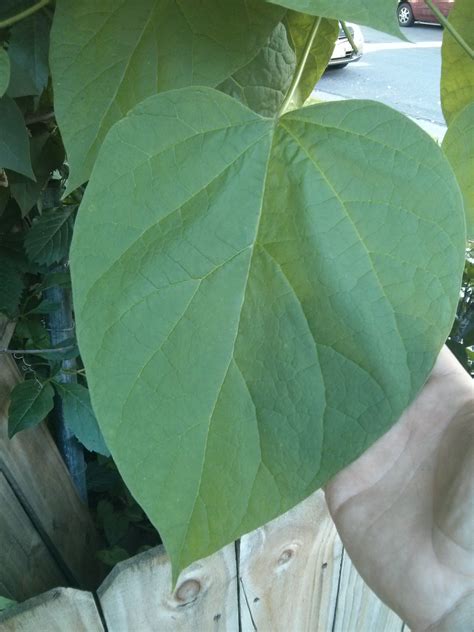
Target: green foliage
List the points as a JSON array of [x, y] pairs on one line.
[[4, 71], [379, 14], [458, 145], [105, 63], [236, 357], [80, 417], [30, 402], [6, 603], [14, 145], [50, 236], [11, 285], [457, 74]]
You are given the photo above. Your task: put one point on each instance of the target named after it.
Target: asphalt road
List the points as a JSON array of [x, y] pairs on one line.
[[404, 75]]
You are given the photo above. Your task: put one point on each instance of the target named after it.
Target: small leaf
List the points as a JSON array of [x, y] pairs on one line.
[[45, 307], [79, 416], [14, 144], [4, 71], [458, 145], [299, 26], [279, 303], [263, 83], [105, 62], [30, 403], [112, 556], [6, 603], [49, 238], [457, 68], [28, 50], [379, 14], [11, 285]]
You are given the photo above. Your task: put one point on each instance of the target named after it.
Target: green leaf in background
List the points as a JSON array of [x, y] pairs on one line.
[[379, 14], [272, 311], [457, 68], [14, 144], [49, 238], [458, 145], [11, 285], [263, 83], [6, 603], [47, 154], [4, 71], [299, 26], [105, 62], [28, 51], [79, 416], [30, 402]]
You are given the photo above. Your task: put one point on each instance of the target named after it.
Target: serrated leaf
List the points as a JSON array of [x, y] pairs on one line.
[[263, 83], [104, 63], [379, 14], [79, 416], [28, 50], [14, 145], [458, 145], [4, 71], [49, 238], [457, 68], [47, 154], [30, 402], [11, 285], [270, 312]]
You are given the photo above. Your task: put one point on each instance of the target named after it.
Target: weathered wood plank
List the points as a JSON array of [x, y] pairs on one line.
[[358, 608], [289, 571], [35, 471], [137, 595], [58, 610], [27, 567]]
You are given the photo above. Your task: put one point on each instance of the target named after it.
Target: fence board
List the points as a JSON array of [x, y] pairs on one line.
[[36, 473], [289, 571], [358, 608], [58, 610], [137, 595], [27, 565]]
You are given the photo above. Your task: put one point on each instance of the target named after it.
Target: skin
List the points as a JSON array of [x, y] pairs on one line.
[[405, 509]]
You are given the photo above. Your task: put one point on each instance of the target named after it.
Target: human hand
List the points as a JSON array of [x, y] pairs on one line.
[[405, 508]]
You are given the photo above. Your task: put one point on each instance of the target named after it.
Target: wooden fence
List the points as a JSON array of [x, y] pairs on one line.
[[291, 575]]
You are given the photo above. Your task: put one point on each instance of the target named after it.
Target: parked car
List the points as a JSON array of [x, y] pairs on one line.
[[418, 11], [343, 52]]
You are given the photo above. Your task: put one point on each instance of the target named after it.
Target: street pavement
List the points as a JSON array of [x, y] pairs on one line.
[[404, 75]]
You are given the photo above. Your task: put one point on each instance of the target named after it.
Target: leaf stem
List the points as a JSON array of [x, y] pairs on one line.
[[447, 25], [300, 68], [348, 34], [37, 351], [23, 14]]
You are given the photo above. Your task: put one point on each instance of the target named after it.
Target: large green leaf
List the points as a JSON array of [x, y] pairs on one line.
[[271, 310], [28, 50], [104, 62], [457, 68], [30, 402], [4, 71], [379, 14], [79, 416], [299, 27], [458, 145], [263, 83], [14, 144]]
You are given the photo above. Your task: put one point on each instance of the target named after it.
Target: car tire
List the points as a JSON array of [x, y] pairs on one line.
[[405, 14], [343, 64]]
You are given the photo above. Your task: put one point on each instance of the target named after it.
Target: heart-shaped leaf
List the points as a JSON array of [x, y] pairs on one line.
[[275, 304], [460, 152], [457, 69], [379, 14], [104, 62], [30, 402]]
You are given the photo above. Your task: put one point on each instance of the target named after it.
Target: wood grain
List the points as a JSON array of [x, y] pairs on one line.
[[138, 595]]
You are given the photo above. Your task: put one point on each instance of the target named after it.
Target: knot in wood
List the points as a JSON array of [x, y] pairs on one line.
[[188, 591]]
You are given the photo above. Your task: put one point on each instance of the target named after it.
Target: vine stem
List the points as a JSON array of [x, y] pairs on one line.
[[37, 351], [348, 34], [23, 14], [299, 70], [447, 25]]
